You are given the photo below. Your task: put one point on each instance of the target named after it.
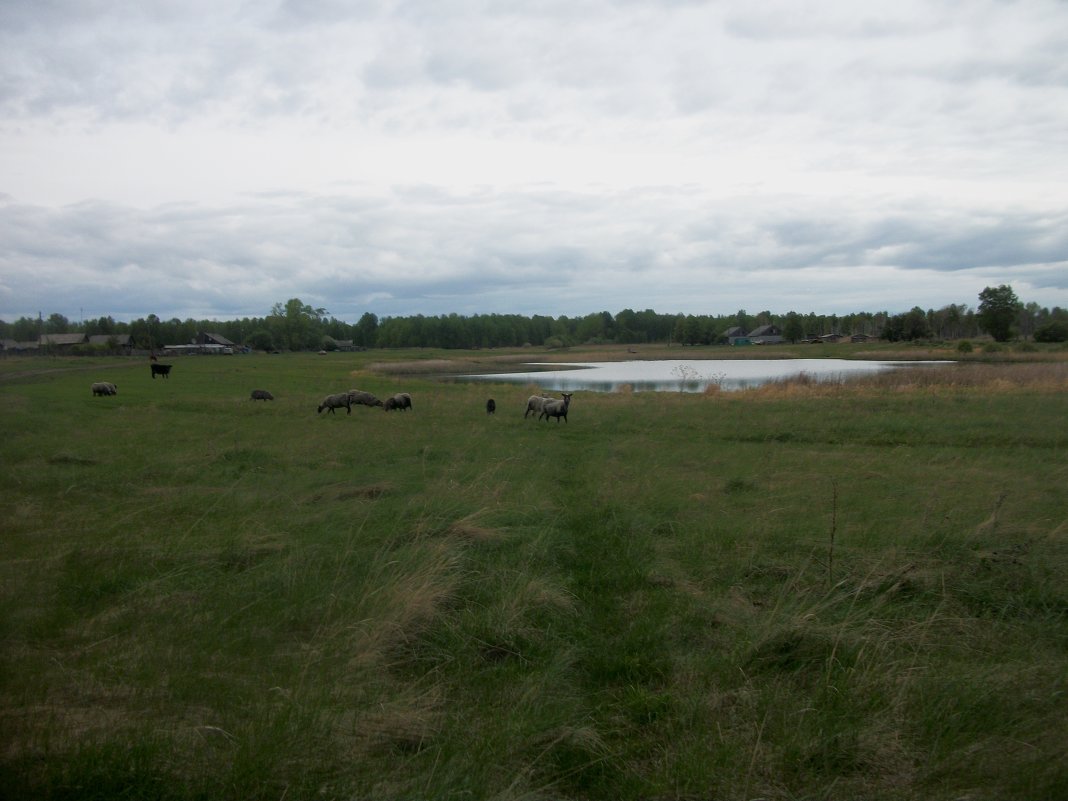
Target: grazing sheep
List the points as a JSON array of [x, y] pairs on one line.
[[402, 401], [556, 408], [331, 402], [104, 388], [261, 394], [535, 403], [359, 397], [491, 406], [160, 369]]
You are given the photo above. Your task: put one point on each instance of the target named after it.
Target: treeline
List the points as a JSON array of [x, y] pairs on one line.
[[295, 325]]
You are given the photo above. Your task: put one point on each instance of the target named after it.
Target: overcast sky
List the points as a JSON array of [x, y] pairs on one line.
[[210, 158]]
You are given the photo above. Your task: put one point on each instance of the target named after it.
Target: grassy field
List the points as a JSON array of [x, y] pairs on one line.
[[799, 592]]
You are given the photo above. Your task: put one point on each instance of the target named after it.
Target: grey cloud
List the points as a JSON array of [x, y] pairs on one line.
[[422, 249], [766, 108]]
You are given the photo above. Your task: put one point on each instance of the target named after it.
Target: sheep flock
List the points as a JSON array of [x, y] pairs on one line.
[[542, 406]]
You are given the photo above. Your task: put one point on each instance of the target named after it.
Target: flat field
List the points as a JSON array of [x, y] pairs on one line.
[[800, 592]]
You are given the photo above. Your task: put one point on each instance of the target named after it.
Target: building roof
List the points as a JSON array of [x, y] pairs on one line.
[[62, 339], [218, 339], [765, 331]]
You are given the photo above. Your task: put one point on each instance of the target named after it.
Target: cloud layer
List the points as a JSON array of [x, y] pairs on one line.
[[210, 159]]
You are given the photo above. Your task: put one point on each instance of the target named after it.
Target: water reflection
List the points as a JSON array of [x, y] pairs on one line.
[[686, 375]]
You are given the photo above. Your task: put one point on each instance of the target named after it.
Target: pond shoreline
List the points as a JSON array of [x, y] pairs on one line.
[[686, 375]]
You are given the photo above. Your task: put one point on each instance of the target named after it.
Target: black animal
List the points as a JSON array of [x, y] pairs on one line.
[[262, 394], [160, 369], [491, 406]]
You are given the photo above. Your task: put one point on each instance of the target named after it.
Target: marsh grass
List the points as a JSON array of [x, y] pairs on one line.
[[808, 590]]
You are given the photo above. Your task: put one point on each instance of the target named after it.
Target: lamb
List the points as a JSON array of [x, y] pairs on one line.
[[104, 388], [535, 403], [331, 402], [556, 408], [491, 406], [160, 369], [359, 397], [261, 394], [402, 401]]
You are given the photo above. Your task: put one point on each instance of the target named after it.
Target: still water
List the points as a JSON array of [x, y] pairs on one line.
[[687, 375]]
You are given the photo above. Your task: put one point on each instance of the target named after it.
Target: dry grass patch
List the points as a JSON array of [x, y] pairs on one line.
[[1001, 378], [401, 599], [407, 722], [471, 530], [347, 492]]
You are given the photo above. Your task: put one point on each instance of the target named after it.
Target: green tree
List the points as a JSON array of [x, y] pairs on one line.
[[25, 329], [916, 325], [145, 333], [998, 309], [297, 324], [366, 330], [261, 339], [793, 330], [57, 324]]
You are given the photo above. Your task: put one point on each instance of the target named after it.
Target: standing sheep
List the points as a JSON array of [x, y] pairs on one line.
[[535, 403], [104, 388], [359, 397], [402, 401], [160, 369], [556, 408], [261, 394], [491, 406], [331, 402]]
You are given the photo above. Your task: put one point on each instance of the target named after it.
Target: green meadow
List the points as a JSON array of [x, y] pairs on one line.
[[798, 592]]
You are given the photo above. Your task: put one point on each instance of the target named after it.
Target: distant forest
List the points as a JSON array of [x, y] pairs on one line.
[[294, 325]]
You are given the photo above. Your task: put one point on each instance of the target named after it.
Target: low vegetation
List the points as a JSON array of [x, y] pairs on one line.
[[804, 591]]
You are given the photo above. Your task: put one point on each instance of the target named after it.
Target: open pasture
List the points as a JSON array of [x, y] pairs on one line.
[[792, 593]]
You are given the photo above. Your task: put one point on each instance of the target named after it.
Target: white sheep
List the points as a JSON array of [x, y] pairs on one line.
[[535, 403], [556, 408], [359, 397], [402, 401], [331, 402], [104, 388]]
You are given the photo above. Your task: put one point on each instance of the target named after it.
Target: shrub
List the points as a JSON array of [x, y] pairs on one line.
[[1052, 332], [965, 346]]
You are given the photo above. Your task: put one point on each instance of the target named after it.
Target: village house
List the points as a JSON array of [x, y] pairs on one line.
[[62, 342], [9, 347], [735, 335], [766, 335], [217, 340]]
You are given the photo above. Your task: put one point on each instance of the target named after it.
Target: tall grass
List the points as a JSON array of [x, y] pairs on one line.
[[806, 591]]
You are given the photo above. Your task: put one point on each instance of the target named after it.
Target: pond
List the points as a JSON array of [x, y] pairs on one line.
[[687, 375]]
